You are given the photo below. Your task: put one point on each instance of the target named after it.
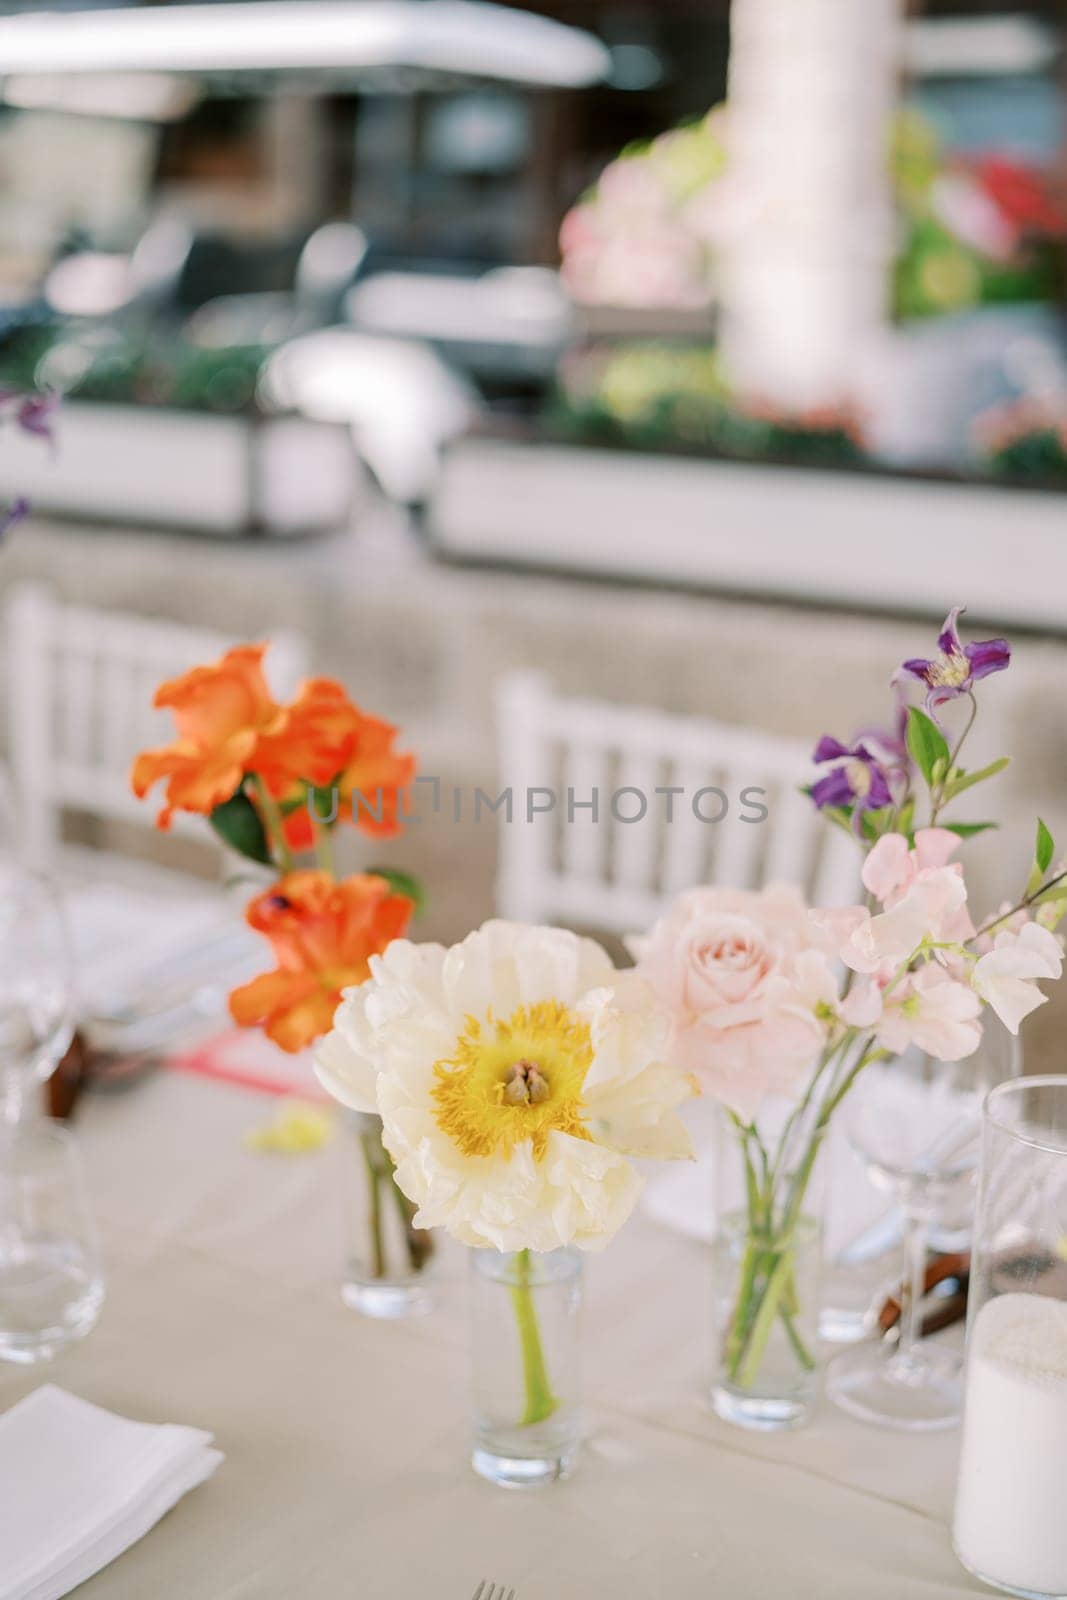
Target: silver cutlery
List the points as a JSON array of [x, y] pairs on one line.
[[493, 1591]]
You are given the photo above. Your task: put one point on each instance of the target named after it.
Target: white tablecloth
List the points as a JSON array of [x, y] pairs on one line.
[[346, 1440]]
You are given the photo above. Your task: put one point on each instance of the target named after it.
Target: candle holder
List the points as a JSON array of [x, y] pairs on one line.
[[1009, 1529]]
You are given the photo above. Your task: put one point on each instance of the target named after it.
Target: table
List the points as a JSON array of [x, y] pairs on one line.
[[346, 1440]]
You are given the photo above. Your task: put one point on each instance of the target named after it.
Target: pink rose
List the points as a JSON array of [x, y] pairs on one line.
[[741, 977]]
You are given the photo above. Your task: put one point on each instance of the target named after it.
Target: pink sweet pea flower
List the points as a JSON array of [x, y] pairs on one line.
[[931, 1010], [891, 868], [1004, 977], [933, 908]]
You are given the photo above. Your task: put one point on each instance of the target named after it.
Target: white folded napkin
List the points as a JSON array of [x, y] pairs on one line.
[[81, 1485]]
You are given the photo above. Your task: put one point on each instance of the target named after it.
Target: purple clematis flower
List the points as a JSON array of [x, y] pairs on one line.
[[12, 513], [36, 413], [889, 746], [857, 778], [957, 666]]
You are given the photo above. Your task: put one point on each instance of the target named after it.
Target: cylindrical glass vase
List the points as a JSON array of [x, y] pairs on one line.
[[525, 1365], [1009, 1528], [388, 1261], [766, 1270], [766, 1311]]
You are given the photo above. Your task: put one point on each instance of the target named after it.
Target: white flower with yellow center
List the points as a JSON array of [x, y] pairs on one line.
[[515, 1075]]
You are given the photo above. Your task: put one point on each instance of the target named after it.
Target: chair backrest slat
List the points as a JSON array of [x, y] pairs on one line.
[[80, 688], [617, 876]]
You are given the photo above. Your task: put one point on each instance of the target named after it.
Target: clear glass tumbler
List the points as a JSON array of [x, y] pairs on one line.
[[51, 1283], [388, 1261], [1009, 1528], [525, 1365]]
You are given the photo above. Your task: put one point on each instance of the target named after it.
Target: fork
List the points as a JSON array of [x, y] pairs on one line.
[[493, 1591]]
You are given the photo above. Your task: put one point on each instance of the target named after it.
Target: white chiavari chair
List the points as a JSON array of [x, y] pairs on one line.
[[80, 684], [616, 876]]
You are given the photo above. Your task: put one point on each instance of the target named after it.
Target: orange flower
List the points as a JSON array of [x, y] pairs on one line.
[[373, 779], [313, 743], [329, 742], [323, 934], [221, 711]]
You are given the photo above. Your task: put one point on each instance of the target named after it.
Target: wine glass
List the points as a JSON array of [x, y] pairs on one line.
[[36, 989], [916, 1121]]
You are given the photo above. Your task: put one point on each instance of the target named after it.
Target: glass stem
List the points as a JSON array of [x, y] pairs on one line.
[[17, 1102], [916, 1233], [540, 1401]]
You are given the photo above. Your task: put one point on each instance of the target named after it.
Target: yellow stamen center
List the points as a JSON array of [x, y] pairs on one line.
[[511, 1081], [949, 672], [859, 778]]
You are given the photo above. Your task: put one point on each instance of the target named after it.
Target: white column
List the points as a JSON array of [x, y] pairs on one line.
[[805, 274]]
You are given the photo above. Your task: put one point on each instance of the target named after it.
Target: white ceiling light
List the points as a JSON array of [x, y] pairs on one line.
[[464, 37]]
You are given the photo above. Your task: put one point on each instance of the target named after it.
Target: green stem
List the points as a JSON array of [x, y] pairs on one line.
[[324, 848], [1024, 903], [735, 1340], [419, 1241], [374, 1196], [757, 1311], [749, 1361], [937, 796], [540, 1401], [800, 1349], [274, 823]]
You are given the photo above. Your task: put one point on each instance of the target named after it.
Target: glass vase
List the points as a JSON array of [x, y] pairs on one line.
[[388, 1261], [766, 1265], [767, 1322], [525, 1365], [1009, 1529]]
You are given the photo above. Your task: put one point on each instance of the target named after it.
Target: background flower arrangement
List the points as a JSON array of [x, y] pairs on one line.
[[972, 231], [1025, 441], [650, 395]]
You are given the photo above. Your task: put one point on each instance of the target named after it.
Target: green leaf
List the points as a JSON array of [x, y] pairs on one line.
[[967, 830], [1043, 853], [926, 743], [967, 780], [841, 817], [875, 823], [401, 883], [238, 823], [1045, 848]]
